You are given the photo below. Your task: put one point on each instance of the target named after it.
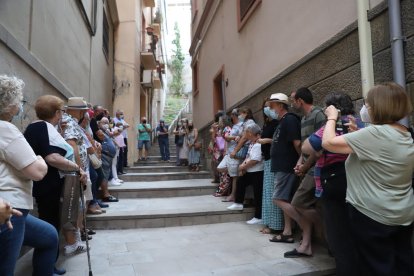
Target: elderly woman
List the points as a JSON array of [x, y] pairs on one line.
[[48, 143], [19, 165], [379, 173], [251, 173]]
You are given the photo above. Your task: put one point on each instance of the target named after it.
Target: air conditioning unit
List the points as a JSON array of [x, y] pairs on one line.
[[147, 78]]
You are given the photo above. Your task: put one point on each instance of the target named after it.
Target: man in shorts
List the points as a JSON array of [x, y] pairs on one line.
[[304, 200], [284, 153], [144, 139]]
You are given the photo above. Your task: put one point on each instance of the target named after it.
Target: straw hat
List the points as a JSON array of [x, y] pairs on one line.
[[77, 103], [279, 98]]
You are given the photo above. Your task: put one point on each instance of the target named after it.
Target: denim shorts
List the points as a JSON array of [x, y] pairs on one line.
[[147, 144]]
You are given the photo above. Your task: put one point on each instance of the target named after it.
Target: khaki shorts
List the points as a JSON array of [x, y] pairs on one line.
[[232, 165], [304, 197]]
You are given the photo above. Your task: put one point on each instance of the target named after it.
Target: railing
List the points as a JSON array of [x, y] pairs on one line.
[[185, 109]]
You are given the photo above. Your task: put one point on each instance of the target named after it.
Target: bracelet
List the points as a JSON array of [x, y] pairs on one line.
[[332, 120]]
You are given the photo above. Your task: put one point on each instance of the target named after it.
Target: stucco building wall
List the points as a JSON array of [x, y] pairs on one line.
[[47, 44], [332, 66]]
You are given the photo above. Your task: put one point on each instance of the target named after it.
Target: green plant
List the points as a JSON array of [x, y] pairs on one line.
[[176, 65]]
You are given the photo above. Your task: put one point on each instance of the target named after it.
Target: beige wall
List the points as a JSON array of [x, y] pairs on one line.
[[278, 34], [62, 58]]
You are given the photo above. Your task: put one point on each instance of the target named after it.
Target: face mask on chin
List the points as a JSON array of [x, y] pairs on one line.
[[19, 115], [365, 114]]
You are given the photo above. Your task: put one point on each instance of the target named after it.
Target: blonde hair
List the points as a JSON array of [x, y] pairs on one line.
[[11, 93], [388, 103], [47, 105]]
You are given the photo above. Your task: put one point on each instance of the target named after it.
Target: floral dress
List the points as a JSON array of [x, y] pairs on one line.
[[224, 188], [73, 131]]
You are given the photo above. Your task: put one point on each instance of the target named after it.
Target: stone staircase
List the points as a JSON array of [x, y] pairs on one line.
[[160, 194]]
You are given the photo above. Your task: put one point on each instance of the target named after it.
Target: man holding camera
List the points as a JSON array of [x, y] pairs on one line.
[[162, 133], [144, 139]]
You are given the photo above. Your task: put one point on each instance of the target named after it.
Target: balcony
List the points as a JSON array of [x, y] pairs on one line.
[[157, 83], [149, 3], [148, 60]]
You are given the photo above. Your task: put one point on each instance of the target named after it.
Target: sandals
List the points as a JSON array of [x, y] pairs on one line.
[[282, 238], [296, 254]]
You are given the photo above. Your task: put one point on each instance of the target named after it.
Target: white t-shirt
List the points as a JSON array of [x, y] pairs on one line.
[[15, 155], [255, 153], [124, 124]]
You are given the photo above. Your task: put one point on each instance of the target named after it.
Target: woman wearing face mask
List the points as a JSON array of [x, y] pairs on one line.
[[178, 142], [19, 165], [193, 153], [48, 143], [379, 173], [272, 215], [183, 133]]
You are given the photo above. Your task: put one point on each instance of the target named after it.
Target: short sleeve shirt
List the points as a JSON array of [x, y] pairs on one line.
[[267, 132], [15, 155], [143, 136], [37, 136], [255, 153], [122, 121], [236, 130], [283, 153], [74, 131], [379, 174]]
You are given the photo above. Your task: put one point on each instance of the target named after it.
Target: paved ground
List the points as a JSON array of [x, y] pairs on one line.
[[215, 249]]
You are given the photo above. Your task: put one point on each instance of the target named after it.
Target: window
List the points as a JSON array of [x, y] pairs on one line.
[[105, 36], [194, 10], [195, 79], [245, 9]]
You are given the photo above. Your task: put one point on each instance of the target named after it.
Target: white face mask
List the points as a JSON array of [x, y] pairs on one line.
[[365, 115]]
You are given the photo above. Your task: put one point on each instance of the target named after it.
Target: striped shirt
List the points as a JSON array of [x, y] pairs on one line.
[[312, 122]]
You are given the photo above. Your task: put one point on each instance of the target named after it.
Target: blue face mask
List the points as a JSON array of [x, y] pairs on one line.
[[241, 118], [270, 113], [19, 114]]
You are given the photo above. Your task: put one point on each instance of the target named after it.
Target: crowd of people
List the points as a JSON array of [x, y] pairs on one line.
[[357, 169], [347, 177], [66, 138]]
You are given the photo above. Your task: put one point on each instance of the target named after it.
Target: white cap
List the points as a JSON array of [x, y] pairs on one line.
[[279, 98]]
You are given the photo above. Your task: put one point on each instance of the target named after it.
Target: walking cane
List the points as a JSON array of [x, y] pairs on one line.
[[86, 232]]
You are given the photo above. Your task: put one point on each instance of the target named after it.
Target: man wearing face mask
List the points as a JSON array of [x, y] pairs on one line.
[[144, 139], [284, 154], [98, 112]]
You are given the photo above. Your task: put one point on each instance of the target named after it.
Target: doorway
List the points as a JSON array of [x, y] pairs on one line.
[[218, 91]]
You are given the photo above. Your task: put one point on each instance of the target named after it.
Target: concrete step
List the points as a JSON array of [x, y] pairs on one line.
[[168, 167], [157, 163], [162, 189], [164, 176], [167, 212], [158, 158]]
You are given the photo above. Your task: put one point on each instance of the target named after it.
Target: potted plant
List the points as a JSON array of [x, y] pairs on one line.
[[150, 30]]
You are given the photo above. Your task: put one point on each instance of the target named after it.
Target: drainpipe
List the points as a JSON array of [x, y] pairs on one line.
[[365, 47], [397, 40]]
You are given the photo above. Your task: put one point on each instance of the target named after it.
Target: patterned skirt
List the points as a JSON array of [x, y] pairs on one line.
[[271, 214]]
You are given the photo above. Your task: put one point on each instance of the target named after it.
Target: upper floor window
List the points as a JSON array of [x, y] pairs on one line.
[[245, 9], [105, 36]]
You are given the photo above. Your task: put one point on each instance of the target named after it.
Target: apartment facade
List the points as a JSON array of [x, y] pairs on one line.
[[244, 50], [96, 49]]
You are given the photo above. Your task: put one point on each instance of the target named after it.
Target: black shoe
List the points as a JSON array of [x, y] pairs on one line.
[[110, 199], [83, 237], [59, 271], [91, 232]]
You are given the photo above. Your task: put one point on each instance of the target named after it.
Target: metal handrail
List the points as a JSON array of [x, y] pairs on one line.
[[185, 108]]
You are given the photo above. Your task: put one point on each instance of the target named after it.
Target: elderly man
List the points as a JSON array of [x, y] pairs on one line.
[[144, 139]]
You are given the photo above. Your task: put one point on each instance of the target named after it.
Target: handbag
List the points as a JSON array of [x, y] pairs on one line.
[[242, 153], [180, 141], [198, 146], [95, 161], [333, 180], [221, 143]]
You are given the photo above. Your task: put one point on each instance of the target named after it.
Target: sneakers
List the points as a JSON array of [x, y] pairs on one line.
[[76, 248], [114, 182], [254, 221], [235, 207]]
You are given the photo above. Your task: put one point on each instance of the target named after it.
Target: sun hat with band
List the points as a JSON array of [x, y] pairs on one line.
[[77, 103], [279, 98]]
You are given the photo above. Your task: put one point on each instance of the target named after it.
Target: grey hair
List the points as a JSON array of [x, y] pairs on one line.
[[253, 128], [11, 93]]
